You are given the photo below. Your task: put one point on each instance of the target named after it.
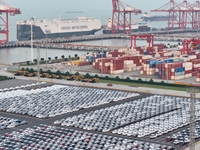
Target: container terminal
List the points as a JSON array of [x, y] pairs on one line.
[[68, 115]]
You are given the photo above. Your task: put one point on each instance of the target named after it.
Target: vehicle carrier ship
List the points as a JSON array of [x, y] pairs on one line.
[[149, 17], [57, 28], [136, 27]]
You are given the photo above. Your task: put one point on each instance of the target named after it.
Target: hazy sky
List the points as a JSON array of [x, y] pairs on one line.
[[103, 5]]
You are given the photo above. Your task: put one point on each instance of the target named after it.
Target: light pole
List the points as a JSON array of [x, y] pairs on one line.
[[38, 64], [192, 91], [46, 50], [32, 42]]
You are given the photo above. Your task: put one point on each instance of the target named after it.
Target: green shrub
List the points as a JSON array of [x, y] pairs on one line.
[[151, 80], [77, 73], [87, 75], [67, 73]]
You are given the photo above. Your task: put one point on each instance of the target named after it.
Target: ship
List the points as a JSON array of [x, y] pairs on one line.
[[149, 17], [56, 28], [73, 12], [138, 26]]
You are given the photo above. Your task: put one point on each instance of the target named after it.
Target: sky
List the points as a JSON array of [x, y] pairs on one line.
[[103, 5], [51, 9]]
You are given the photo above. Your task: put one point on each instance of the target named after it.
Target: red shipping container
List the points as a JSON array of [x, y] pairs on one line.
[[188, 71], [85, 63], [194, 73], [176, 65], [191, 53], [196, 69], [198, 75], [123, 58], [198, 55], [195, 61]]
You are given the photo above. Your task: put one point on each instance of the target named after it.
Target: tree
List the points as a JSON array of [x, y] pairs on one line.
[[42, 59], [49, 58], [96, 76], [58, 72], [41, 71], [22, 69], [75, 55], [63, 56], [87, 75], [127, 79], [27, 69], [35, 60], [56, 57], [117, 78], [49, 72], [69, 56], [77, 73], [67, 73], [31, 70], [151, 80]]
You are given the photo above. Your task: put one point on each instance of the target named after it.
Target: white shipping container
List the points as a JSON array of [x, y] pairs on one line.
[[188, 68], [107, 64], [138, 67], [196, 65], [172, 77], [187, 64], [141, 72], [192, 56], [152, 69], [93, 63], [109, 55], [117, 71], [128, 62], [146, 57], [198, 79], [188, 75]]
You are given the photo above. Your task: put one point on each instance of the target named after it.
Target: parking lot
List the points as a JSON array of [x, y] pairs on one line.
[[122, 117]]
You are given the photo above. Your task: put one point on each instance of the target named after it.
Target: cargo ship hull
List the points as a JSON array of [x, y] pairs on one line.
[[138, 29], [57, 28], [39, 34], [156, 18]]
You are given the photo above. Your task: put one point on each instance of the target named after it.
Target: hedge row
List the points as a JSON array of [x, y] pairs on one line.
[[129, 80], [2, 78]]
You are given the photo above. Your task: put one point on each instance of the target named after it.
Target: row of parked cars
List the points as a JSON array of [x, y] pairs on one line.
[[22, 86], [6, 123], [183, 137], [113, 117], [57, 99], [56, 138]]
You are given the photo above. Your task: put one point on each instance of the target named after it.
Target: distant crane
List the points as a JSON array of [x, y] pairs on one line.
[[181, 14], [7, 9], [121, 16]]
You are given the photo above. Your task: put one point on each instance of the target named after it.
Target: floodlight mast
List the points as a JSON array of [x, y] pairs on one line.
[[192, 91]]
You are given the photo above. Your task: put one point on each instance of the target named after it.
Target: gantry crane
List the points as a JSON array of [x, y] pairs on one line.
[[7, 9], [148, 37], [190, 44], [121, 16], [181, 14]]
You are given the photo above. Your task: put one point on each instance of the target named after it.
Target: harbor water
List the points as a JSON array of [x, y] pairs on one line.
[[19, 54]]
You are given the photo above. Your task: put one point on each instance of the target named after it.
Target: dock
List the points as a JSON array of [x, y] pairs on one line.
[[169, 36]]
